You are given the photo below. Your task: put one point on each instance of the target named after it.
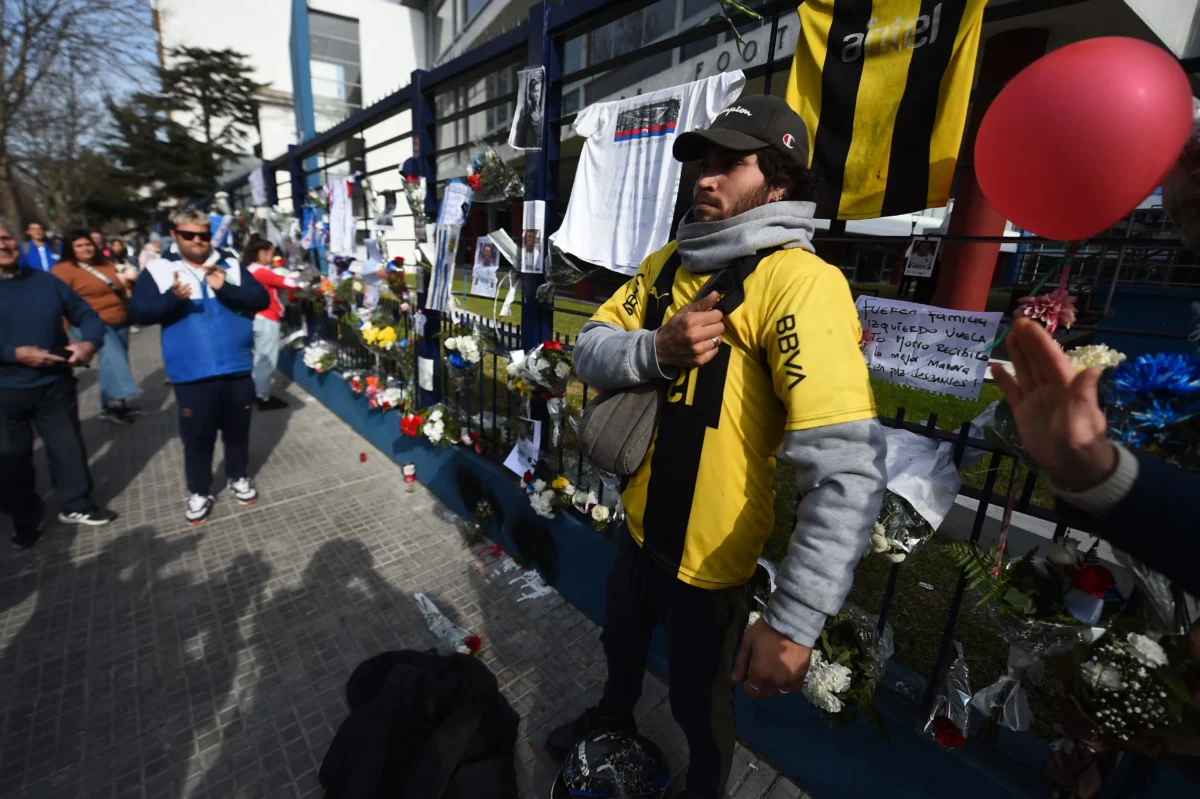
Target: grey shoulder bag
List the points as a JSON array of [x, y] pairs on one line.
[[617, 426]]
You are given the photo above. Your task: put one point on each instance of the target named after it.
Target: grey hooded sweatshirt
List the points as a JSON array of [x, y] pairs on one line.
[[840, 468]]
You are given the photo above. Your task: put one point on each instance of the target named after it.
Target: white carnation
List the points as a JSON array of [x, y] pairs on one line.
[[879, 543], [1145, 651], [896, 557], [1099, 675], [542, 503], [434, 429], [562, 370], [451, 344], [570, 490], [824, 681], [539, 486], [1095, 356], [600, 513], [436, 416]]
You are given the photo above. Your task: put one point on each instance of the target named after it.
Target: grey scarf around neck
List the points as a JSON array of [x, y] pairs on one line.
[[708, 246]]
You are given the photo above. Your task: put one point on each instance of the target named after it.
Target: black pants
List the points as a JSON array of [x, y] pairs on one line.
[[53, 410], [703, 628], [220, 403]]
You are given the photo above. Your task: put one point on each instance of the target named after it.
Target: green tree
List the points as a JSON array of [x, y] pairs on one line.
[[215, 88]]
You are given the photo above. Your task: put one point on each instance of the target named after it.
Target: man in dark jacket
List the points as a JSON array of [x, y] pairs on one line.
[[206, 304], [1138, 503], [37, 390]]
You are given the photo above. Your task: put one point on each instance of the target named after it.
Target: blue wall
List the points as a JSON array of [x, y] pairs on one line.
[[1153, 309], [788, 732]]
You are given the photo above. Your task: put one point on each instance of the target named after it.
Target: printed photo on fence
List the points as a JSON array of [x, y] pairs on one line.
[[920, 346], [483, 275], [524, 455], [384, 219], [526, 131], [922, 255], [531, 236]]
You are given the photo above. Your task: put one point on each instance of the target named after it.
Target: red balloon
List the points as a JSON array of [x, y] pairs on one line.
[[1081, 136]]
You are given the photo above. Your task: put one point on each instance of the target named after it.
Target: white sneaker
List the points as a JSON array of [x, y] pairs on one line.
[[198, 508], [243, 490]]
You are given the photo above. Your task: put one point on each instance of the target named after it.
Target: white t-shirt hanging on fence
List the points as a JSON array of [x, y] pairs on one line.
[[627, 181]]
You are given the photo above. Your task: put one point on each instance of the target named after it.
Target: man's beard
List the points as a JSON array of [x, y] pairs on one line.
[[747, 202]]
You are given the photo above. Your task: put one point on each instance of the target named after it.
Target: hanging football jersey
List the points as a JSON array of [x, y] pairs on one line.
[[883, 86]]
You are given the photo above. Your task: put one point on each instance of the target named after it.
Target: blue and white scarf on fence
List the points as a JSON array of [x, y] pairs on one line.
[[441, 280]]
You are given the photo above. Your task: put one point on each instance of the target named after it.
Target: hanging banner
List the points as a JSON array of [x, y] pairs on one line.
[[441, 279], [921, 346], [883, 88], [922, 255]]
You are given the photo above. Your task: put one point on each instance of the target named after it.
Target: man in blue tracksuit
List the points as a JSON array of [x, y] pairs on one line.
[[206, 304], [36, 252]]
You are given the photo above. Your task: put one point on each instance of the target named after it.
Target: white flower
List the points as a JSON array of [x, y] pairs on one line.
[[585, 502], [452, 344], [824, 681], [1145, 651], [542, 503], [896, 557], [1099, 675], [466, 437], [879, 542], [539, 486], [562, 370], [600, 513], [434, 429], [436, 416], [1063, 553], [570, 490], [1095, 356], [752, 618]]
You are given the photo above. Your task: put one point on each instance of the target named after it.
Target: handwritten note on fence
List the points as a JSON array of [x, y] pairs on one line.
[[936, 349]]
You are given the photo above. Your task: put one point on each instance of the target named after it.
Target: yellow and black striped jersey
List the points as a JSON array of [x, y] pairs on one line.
[[702, 502], [883, 86]]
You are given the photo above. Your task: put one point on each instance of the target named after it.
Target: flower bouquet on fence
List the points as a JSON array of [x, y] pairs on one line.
[[1041, 607], [562, 271], [393, 397], [359, 381], [847, 663], [320, 357], [949, 719], [544, 374], [435, 424], [547, 499], [465, 345], [1152, 403], [491, 179], [414, 193], [900, 530]]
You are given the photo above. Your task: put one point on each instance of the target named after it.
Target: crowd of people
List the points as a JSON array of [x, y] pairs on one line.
[[69, 301]]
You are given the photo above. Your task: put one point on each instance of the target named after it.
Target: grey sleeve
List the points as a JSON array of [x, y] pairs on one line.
[[608, 357], [841, 472]]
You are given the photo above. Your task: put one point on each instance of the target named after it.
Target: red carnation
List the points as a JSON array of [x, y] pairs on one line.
[[411, 425], [1095, 580], [474, 643], [946, 733], [553, 345], [398, 260], [474, 435], [475, 182], [528, 478]]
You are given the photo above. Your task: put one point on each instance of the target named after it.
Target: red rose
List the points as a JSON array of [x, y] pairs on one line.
[[528, 478], [474, 434], [946, 733], [475, 182], [474, 643], [398, 260], [552, 345], [1095, 580]]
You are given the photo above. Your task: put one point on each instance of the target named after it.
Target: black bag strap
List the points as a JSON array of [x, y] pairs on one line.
[[660, 292], [730, 281]]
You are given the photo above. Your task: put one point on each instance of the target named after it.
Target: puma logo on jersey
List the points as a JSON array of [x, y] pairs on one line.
[[903, 34], [654, 295]]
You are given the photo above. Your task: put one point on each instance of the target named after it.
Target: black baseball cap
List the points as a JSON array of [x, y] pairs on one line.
[[751, 124]]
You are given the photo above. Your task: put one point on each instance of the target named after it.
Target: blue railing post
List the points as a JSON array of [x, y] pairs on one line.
[[424, 121], [299, 185], [541, 169]]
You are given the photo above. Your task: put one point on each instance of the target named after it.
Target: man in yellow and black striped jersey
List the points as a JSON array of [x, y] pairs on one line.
[[759, 339]]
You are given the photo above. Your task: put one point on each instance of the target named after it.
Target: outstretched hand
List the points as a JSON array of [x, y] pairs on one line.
[[1056, 409]]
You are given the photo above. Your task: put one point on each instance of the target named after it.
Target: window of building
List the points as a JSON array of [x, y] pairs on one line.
[[443, 25], [631, 32], [335, 64], [497, 84], [471, 8]]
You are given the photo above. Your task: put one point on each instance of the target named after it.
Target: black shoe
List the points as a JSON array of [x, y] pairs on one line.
[[116, 415], [27, 536], [272, 404], [93, 516], [560, 740]]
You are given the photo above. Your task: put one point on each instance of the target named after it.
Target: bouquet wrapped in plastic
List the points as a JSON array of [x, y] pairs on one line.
[[847, 662], [900, 531], [414, 193], [562, 271], [949, 719], [320, 357], [465, 346], [544, 373], [491, 179]]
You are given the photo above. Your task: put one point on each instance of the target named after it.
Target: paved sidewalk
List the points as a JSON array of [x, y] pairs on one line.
[[153, 659]]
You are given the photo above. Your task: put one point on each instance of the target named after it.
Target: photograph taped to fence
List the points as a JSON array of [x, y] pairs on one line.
[[524, 455], [533, 229], [526, 131], [922, 255], [483, 274]]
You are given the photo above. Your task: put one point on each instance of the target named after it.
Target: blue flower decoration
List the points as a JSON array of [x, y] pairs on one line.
[[456, 360], [1159, 415], [403, 342], [1130, 437], [1173, 373]]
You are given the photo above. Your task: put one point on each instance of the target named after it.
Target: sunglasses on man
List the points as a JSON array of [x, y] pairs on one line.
[[192, 235]]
